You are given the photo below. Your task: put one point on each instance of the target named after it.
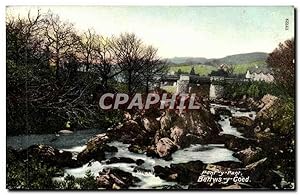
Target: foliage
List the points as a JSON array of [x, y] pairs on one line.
[[282, 60], [88, 182], [199, 69], [35, 175], [284, 117], [55, 74], [208, 69], [254, 89], [29, 174]]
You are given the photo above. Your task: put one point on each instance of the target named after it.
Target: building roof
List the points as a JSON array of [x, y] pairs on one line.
[[263, 70]]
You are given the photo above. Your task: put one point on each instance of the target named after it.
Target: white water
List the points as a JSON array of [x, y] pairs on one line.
[[207, 153], [225, 120], [75, 143]]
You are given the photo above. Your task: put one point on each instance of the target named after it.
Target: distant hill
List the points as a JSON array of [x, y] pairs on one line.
[[187, 60], [244, 58]]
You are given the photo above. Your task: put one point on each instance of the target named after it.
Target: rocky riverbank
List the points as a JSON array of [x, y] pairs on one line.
[[224, 145]]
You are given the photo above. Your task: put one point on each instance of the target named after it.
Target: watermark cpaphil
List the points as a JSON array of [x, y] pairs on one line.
[[162, 101]]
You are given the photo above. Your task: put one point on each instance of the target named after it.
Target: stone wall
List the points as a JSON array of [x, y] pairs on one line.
[[216, 91], [183, 84]]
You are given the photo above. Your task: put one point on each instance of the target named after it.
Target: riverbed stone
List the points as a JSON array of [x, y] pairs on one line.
[[241, 121], [49, 155], [177, 135], [237, 143], [130, 132], [165, 147], [113, 178], [95, 149], [119, 160], [222, 111], [249, 155], [232, 187]]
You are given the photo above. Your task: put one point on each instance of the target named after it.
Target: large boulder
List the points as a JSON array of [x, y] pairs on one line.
[[49, 155], [115, 179], [258, 168], [177, 135], [165, 147], [150, 124], [95, 149], [130, 132], [167, 119], [262, 175], [237, 143], [267, 106], [249, 155], [241, 121], [222, 111], [183, 173], [198, 123]]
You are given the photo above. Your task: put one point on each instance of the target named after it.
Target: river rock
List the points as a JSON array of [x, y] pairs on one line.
[[177, 135], [232, 187], [130, 132], [222, 111], [256, 169], [183, 173], [165, 147], [228, 164], [166, 119], [187, 172], [249, 155], [236, 143], [139, 169], [50, 155], [191, 139], [241, 121], [137, 149], [150, 124], [172, 187], [95, 149], [120, 160], [267, 107], [265, 137], [115, 179], [164, 172], [252, 103]]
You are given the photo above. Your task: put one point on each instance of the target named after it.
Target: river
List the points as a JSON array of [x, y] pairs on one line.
[[75, 143]]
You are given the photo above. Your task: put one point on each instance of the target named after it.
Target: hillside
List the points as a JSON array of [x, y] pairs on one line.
[[245, 58]]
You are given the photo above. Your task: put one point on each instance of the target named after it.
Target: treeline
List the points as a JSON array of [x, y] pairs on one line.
[[282, 64], [56, 74]]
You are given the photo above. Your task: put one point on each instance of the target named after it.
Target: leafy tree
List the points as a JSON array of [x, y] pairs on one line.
[[192, 71], [282, 61], [179, 71]]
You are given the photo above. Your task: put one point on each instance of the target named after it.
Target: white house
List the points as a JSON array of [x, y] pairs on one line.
[[260, 74]]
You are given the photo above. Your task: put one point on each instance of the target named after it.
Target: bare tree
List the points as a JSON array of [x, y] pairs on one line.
[[88, 41], [23, 36], [61, 39], [153, 67], [131, 55], [104, 61]]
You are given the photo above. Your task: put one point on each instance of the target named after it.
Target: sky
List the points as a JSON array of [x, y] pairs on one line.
[[210, 32]]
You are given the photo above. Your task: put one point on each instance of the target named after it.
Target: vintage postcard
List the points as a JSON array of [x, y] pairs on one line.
[[150, 98]]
